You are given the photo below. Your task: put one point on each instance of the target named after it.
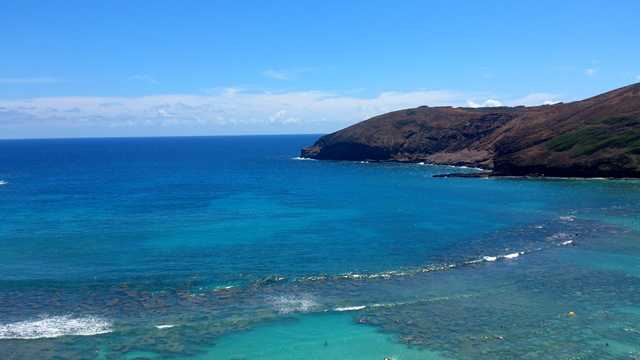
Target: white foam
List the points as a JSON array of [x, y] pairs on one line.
[[2, 182], [167, 326], [291, 304], [466, 167], [632, 330], [350, 308], [566, 240], [476, 261], [314, 278], [565, 243], [568, 218], [385, 275], [559, 236], [224, 288], [302, 158], [354, 276], [55, 326]]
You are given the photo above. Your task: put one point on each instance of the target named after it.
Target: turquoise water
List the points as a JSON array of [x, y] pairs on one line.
[[231, 248]]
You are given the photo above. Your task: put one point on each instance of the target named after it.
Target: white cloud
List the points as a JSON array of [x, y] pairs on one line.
[[486, 103], [590, 71], [32, 80], [535, 99], [226, 107], [229, 110], [493, 103]]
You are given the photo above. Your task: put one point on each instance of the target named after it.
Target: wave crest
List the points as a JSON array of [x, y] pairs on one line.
[[53, 327], [567, 218], [291, 304]]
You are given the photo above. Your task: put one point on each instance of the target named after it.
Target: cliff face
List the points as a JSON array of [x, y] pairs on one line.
[[599, 136]]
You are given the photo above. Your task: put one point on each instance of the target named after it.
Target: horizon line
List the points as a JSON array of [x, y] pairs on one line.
[[153, 136]]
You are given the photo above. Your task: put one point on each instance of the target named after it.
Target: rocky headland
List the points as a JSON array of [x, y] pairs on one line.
[[595, 137]]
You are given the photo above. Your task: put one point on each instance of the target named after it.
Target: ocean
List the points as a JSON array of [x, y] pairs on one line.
[[234, 248]]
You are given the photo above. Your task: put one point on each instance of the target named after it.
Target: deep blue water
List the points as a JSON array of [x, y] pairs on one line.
[[218, 235]]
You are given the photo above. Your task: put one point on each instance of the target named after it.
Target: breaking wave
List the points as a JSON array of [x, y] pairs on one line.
[[567, 218], [55, 326], [294, 304], [462, 167], [223, 288], [559, 239], [2, 182], [350, 308], [426, 269], [401, 303], [167, 326]]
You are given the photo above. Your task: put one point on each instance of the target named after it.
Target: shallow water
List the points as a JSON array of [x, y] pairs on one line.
[[329, 336], [229, 248]]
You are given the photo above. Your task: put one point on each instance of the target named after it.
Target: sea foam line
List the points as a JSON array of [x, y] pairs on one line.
[[294, 304], [2, 182], [350, 308], [55, 326], [402, 303], [426, 269], [464, 167], [409, 272], [567, 218], [557, 239], [164, 326]]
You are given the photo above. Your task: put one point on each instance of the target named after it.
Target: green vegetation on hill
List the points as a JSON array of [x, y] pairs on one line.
[[617, 132], [595, 137]]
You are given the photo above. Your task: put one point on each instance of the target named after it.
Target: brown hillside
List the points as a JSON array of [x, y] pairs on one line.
[[599, 136]]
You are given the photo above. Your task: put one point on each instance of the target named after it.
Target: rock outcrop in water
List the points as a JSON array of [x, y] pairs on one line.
[[596, 137]]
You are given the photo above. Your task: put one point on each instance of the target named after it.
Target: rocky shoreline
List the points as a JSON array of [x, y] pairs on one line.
[[594, 138]]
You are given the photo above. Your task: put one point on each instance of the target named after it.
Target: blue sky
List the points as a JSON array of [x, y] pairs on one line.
[[145, 68]]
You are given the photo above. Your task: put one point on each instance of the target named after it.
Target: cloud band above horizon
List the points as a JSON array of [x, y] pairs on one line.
[[227, 111]]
